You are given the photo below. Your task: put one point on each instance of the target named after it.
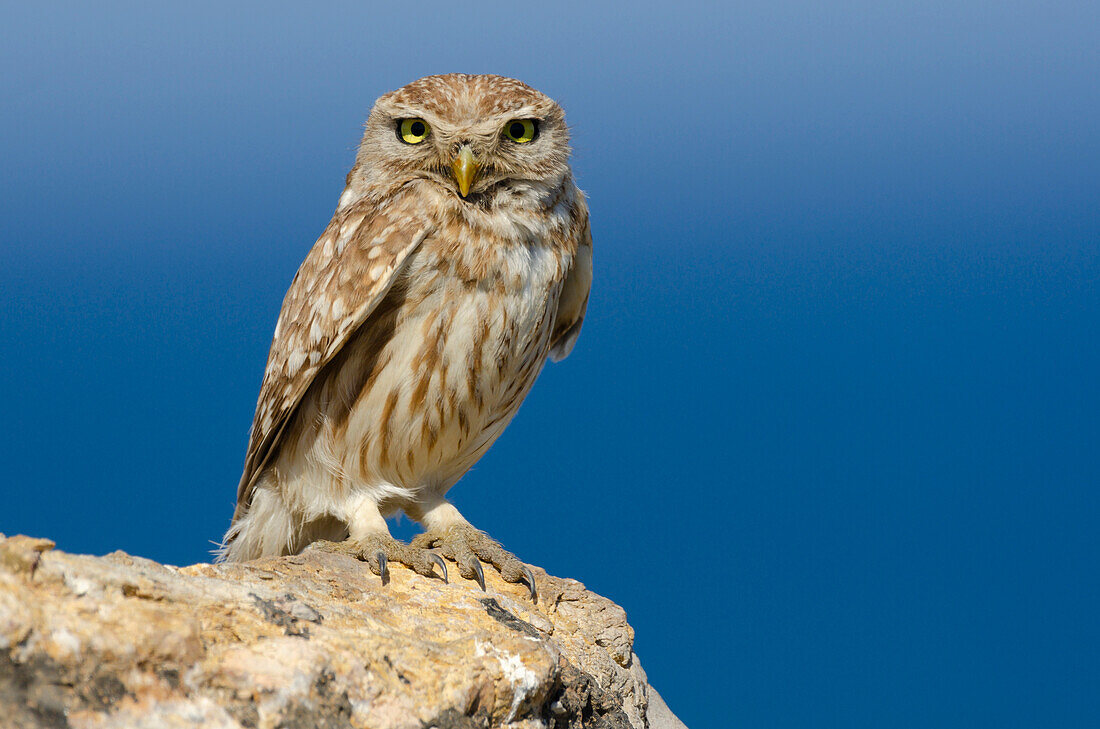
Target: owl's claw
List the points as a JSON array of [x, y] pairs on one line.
[[383, 566], [442, 565], [469, 547], [531, 583], [479, 572], [378, 550]]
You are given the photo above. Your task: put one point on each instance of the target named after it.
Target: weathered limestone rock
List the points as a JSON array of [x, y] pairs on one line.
[[304, 642]]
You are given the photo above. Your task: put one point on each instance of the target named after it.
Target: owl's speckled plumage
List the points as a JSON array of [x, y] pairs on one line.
[[417, 323]]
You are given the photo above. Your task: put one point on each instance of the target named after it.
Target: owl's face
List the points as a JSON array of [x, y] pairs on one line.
[[477, 137]]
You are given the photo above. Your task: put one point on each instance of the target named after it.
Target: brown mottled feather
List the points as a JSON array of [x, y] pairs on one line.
[[574, 298], [346, 274]]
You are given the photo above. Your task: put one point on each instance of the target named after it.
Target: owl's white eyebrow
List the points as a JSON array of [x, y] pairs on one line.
[[524, 112], [407, 113]]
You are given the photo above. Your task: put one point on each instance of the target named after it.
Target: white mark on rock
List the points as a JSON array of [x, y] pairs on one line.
[[523, 679], [68, 643]]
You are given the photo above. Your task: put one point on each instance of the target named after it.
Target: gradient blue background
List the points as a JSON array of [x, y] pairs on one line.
[[831, 432]]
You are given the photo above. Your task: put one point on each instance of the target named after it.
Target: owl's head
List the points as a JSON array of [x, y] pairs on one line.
[[476, 137]]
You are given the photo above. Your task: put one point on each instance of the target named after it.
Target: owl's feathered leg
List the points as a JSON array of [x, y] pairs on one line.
[[468, 547], [369, 540]]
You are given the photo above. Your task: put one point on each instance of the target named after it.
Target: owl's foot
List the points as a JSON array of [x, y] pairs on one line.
[[469, 547], [378, 550]]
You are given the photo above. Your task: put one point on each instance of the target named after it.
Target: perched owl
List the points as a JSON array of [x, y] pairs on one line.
[[459, 258]]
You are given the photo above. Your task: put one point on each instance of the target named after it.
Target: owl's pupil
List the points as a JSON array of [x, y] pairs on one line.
[[517, 130], [417, 129]]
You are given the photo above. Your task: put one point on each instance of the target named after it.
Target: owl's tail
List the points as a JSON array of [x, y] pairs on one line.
[[269, 528], [265, 529]]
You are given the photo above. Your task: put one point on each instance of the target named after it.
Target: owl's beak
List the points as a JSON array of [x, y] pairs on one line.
[[465, 167]]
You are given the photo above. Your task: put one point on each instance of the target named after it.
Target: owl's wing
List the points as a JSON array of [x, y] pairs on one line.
[[346, 274], [574, 297]]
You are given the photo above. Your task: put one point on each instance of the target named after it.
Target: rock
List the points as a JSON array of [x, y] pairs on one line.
[[312, 641]]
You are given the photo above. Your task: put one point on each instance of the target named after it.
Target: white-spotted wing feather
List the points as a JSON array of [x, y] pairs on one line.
[[346, 274]]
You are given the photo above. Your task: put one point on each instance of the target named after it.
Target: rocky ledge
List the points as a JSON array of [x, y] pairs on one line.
[[313, 641]]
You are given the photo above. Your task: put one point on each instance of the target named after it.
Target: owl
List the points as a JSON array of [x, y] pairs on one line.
[[459, 259]]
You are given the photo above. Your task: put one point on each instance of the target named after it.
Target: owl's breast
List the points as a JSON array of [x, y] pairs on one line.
[[467, 337]]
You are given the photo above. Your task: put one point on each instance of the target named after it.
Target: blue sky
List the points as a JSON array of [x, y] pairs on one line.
[[830, 433]]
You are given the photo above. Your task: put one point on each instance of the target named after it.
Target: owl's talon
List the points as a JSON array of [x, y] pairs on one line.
[[442, 565], [383, 566], [378, 550], [478, 572], [468, 548], [531, 583]]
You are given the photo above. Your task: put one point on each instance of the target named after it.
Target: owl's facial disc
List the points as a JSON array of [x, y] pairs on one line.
[[484, 140], [465, 168]]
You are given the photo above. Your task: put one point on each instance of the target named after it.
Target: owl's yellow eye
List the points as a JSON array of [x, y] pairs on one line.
[[412, 131], [521, 130]]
